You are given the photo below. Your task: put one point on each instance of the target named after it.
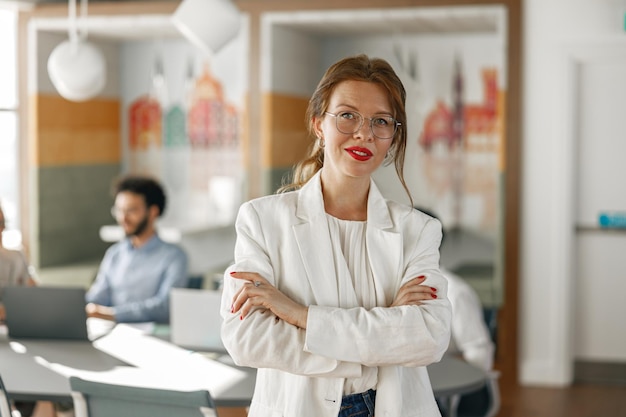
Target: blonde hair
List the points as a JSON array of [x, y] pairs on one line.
[[356, 68]]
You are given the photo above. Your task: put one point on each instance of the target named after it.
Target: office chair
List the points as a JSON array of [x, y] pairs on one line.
[[490, 315], [97, 399], [486, 401], [5, 405], [195, 282], [482, 403], [19, 409]]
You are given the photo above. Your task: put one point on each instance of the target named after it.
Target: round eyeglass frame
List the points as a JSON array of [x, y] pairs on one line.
[[120, 213], [371, 119]]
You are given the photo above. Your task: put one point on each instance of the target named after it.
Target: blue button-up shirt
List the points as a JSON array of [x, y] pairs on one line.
[[136, 282]]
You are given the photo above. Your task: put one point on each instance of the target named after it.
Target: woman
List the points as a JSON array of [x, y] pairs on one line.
[[325, 294], [14, 270]]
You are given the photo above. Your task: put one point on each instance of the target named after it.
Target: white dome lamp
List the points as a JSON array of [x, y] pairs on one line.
[[208, 24], [76, 67]]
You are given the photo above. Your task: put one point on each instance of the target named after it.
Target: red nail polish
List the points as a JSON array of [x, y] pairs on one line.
[[433, 288], [240, 317], [434, 295], [232, 273]]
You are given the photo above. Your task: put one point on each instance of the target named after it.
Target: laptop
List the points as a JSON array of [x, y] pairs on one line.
[[195, 320], [45, 313]]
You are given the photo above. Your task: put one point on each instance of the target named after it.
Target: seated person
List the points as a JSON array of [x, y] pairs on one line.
[[136, 274], [13, 267], [470, 337], [14, 271]]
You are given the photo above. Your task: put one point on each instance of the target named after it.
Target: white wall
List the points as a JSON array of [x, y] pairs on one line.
[[290, 61], [554, 32], [199, 219]]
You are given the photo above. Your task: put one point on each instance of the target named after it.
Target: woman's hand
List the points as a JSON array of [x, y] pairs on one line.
[[413, 293], [258, 292]]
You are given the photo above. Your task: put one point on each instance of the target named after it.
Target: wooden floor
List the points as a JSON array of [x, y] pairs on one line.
[[588, 400], [580, 400]]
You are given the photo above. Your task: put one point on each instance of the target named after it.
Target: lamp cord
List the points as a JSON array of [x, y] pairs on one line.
[[72, 29], [73, 24]]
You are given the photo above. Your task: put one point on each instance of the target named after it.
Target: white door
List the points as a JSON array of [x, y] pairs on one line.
[[599, 127]]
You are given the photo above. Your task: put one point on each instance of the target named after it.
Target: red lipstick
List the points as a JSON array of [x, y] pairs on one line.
[[359, 153]]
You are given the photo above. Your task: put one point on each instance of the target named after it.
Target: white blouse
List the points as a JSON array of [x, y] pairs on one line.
[[350, 252]]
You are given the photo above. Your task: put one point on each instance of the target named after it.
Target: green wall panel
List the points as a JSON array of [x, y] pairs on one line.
[[73, 203]]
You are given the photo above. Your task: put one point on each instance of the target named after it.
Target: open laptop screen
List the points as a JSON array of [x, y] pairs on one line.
[[45, 313]]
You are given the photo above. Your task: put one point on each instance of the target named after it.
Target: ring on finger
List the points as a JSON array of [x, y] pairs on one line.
[[257, 283]]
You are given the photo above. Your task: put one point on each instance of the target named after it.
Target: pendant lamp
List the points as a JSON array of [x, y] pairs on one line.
[[208, 24], [77, 67]]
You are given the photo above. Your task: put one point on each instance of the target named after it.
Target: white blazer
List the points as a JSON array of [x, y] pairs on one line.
[[301, 373]]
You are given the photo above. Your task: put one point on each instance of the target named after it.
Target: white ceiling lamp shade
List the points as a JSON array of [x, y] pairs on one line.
[[76, 67], [208, 24], [77, 70]]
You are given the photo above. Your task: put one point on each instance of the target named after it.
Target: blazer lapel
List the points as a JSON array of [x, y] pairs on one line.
[[384, 247], [313, 239]]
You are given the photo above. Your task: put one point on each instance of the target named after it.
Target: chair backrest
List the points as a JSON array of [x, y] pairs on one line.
[[97, 399], [195, 281], [5, 406], [486, 401]]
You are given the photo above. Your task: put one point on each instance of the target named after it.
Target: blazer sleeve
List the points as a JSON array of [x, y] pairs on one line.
[[261, 340], [405, 335]]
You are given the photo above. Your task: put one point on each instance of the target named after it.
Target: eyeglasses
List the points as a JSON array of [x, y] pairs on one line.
[[117, 212], [348, 122]]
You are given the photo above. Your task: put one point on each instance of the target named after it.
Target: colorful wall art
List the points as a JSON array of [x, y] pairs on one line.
[[185, 128]]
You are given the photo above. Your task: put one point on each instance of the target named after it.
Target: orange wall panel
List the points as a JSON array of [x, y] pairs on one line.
[[285, 138], [69, 133]]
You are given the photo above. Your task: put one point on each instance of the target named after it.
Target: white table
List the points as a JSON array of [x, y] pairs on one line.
[[39, 369]]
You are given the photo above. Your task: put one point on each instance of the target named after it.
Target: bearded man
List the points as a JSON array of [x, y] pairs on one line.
[[137, 273]]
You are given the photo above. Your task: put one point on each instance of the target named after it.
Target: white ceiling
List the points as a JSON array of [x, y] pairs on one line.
[[488, 19], [394, 21], [116, 28]]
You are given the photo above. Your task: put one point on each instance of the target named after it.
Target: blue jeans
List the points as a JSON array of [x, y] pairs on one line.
[[358, 405]]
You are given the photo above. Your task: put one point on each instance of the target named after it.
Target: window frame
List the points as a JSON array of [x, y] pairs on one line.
[[13, 235]]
